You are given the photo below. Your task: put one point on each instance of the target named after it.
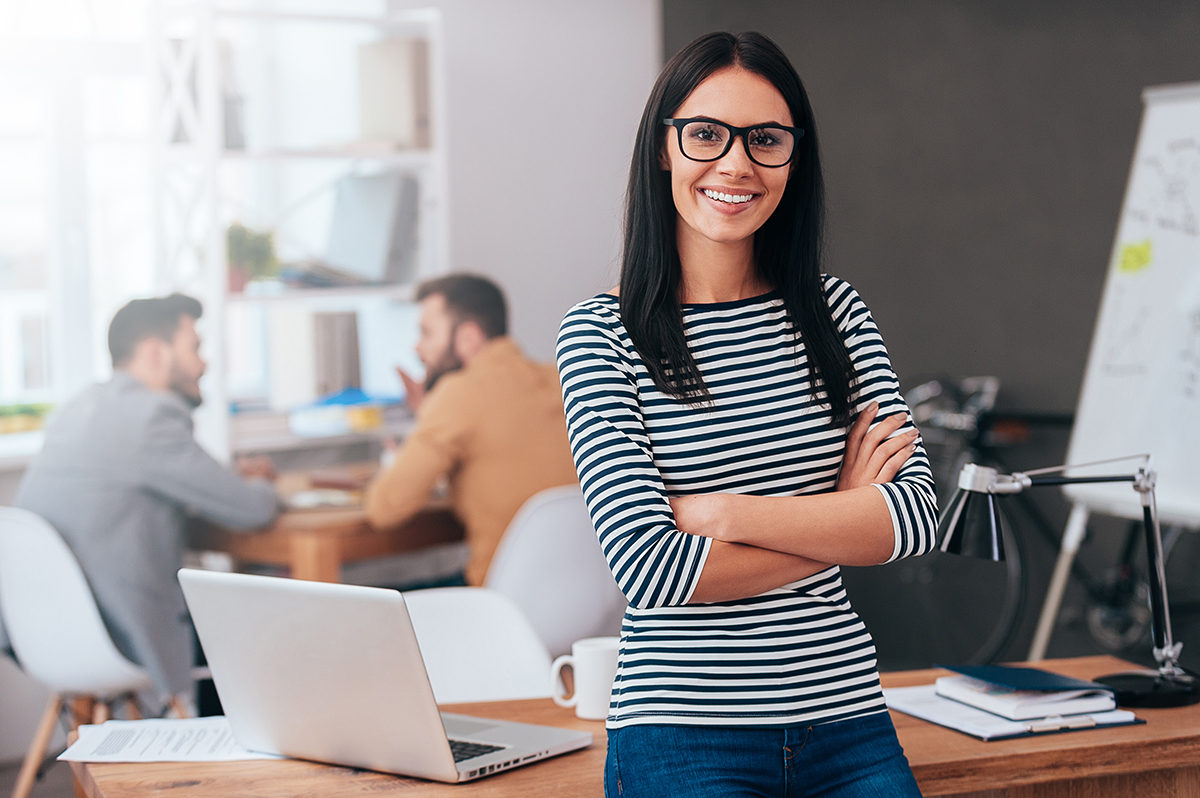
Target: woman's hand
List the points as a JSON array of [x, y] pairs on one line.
[[871, 456], [706, 515]]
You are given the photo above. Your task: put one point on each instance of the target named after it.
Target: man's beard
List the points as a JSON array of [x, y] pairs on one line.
[[192, 401], [180, 388], [446, 364]]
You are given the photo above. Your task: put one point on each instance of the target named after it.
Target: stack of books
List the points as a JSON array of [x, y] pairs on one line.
[[994, 702]]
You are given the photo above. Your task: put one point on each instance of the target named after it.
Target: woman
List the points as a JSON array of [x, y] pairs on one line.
[[708, 406]]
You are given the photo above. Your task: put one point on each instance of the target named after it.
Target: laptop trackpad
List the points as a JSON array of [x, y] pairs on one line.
[[465, 727]]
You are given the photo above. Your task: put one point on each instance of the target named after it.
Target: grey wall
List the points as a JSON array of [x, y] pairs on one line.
[[976, 154]]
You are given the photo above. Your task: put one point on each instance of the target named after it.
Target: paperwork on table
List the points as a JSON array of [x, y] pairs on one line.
[[160, 740], [924, 702]]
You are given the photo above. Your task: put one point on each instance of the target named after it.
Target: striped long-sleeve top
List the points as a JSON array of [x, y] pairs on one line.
[[796, 654]]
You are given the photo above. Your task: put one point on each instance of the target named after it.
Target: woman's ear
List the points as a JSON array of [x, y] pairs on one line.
[[664, 160]]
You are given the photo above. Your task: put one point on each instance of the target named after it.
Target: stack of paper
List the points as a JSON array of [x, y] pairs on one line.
[[995, 702]]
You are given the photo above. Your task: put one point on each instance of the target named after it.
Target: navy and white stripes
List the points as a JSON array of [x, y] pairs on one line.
[[797, 654]]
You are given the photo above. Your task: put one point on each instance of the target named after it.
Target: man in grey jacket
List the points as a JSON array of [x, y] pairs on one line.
[[120, 472]]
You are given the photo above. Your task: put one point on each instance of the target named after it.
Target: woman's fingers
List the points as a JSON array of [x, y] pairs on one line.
[[895, 463], [886, 451], [875, 455], [883, 430], [858, 431], [877, 437]]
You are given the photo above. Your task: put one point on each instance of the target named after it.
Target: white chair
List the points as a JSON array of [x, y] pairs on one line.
[[55, 628], [477, 646], [550, 564]]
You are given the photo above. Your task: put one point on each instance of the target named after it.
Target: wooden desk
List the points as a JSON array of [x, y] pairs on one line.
[[1160, 758], [580, 773], [313, 544]]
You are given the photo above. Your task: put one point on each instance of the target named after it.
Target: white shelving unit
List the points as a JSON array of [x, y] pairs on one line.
[[202, 186]]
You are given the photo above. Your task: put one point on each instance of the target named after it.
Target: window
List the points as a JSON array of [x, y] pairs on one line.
[[75, 217]]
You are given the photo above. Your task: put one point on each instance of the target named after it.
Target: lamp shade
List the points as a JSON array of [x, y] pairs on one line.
[[970, 524]]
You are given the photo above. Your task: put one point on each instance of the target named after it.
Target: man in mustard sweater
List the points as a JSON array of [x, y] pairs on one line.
[[488, 420]]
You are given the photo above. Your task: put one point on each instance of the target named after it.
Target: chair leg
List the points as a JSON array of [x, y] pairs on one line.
[[181, 709], [132, 710], [37, 748], [101, 712], [82, 708]]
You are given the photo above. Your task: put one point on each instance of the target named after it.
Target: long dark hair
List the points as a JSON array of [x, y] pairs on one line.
[[787, 248]]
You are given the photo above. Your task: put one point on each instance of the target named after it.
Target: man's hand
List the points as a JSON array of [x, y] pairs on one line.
[[414, 390], [259, 467], [871, 456]]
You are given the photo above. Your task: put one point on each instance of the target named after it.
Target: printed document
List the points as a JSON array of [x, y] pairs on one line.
[[924, 702], [160, 740]]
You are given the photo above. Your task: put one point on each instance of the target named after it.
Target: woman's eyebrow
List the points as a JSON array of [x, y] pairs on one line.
[[769, 123]]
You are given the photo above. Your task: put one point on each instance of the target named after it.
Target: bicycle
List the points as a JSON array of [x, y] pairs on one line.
[[924, 597], [914, 607]]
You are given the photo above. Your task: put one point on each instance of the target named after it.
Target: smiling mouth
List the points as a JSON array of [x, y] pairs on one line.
[[733, 199]]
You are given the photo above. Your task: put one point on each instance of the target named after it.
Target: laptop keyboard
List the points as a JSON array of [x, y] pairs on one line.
[[464, 750]]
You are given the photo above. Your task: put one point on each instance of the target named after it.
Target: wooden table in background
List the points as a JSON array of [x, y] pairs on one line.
[[1160, 758], [314, 543]]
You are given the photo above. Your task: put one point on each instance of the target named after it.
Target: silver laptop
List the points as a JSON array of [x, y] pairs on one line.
[[333, 673]]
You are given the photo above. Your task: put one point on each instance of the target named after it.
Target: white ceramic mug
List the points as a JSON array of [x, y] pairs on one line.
[[593, 661]]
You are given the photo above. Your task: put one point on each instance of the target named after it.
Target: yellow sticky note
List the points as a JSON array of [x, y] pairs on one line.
[[1134, 257]]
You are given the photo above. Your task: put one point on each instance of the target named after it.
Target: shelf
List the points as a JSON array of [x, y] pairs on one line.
[[269, 432], [402, 18], [217, 59], [410, 159], [403, 293]]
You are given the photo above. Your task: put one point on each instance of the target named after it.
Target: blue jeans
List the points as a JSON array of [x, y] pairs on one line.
[[859, 758]]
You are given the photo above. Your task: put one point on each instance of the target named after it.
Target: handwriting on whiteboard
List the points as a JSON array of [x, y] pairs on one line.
[[1166, 196]]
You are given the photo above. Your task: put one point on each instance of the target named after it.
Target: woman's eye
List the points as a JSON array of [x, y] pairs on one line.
[[764, 138], [705, 134]]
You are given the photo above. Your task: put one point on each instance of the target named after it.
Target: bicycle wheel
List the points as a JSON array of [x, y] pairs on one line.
[[941, 608]]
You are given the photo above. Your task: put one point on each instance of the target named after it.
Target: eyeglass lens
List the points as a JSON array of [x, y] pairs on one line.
[[708, 141]]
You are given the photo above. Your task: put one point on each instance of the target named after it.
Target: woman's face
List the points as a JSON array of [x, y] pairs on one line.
[[739, 98]]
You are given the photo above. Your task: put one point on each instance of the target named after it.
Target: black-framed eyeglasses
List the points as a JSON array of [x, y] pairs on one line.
[[703, 139]]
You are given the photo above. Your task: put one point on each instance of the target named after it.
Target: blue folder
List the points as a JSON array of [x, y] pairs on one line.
[[1024, 678]]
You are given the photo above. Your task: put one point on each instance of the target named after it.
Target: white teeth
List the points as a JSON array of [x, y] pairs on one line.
[[734, 198]]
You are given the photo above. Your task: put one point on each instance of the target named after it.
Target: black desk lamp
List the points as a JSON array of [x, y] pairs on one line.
[[970, 524]]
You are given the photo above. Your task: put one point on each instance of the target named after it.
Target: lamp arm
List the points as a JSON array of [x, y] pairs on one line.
[[1166, 650], [1145, 458], [1019, 481], [1033, 481]]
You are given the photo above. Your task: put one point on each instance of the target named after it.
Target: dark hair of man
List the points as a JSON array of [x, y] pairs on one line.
[[470, 298], [148, 318], [787, 248]]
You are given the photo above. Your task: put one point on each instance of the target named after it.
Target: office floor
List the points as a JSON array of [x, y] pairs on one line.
[[55, 781]]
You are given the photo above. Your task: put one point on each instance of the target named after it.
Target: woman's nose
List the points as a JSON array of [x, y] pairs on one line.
[[737, 160]]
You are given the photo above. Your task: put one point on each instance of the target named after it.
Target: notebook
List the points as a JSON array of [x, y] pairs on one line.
[[1024, 693], [333, 673]]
